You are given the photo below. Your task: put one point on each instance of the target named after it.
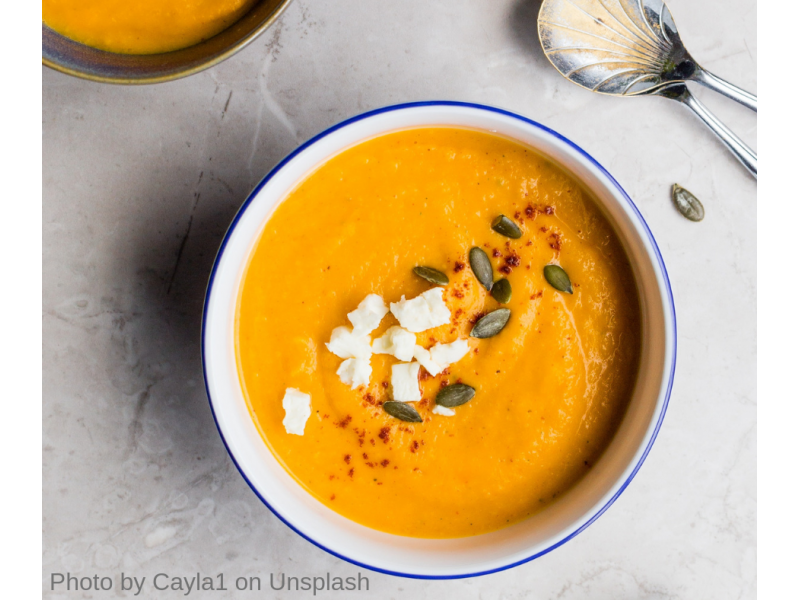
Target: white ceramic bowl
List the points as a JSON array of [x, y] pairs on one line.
[[462, 557]]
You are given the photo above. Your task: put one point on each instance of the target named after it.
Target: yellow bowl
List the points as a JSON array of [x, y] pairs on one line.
[[71, 57]]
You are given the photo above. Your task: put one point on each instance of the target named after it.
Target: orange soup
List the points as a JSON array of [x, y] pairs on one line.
[[550, 388], [142, 26]]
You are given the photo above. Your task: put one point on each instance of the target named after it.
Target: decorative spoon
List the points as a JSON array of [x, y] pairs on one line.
[[632, 48]]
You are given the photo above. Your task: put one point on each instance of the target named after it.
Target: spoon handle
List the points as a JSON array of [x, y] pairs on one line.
[[739, 149], [726, 89]]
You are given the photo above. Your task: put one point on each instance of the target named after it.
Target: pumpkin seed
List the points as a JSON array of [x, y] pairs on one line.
[[482, 267], [432, 275], [501, 291], [687, 203], [455, 395], [402, 411], [505, 226], [492, 324], [558, 278]]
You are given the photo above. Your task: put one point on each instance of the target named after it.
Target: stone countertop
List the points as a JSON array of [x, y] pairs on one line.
[[140, 184]]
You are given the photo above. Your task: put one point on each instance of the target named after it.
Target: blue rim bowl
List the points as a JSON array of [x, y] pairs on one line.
[[461, 557]]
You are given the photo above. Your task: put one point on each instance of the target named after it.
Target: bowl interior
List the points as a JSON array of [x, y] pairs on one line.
[[72, 57], [451, 557]]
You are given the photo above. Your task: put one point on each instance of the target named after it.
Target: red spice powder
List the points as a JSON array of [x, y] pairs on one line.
[[384, 434], [459, 266], [344, 422], [385, 462], [347, 458]]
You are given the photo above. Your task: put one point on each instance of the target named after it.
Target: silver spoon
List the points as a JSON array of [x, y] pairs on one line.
[[632, 48]]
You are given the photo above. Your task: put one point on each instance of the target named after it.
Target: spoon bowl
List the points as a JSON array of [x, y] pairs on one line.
[[632, 48]]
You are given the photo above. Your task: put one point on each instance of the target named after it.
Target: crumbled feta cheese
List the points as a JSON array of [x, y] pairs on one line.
[[424, 357], [345, 344], [298, 408], [426, 311], [443, 410], [396, 341], [368, 315], [447, 354], [355, 372], [405, 382]]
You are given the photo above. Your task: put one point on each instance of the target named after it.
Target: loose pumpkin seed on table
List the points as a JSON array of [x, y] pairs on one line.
[[492, 324], [455, 395], [687, 203], [481, 267], [558, 278], [432, 275], [402, 411], [505, 226]]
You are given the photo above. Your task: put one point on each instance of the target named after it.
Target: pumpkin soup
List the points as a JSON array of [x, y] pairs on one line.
[[142, 26], [438, 332]]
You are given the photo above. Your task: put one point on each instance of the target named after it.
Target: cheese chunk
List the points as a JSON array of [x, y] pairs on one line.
[[368, 315], [298, 408], [426, 311], [405, 382], [447, 354], [424, 357], [355, 372], [443, 410], [345, 344], [396, 341]]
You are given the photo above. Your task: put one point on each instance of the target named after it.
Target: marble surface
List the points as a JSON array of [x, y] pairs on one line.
[[140, 184]]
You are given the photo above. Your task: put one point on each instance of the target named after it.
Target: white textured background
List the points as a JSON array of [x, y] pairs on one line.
[[140, 184]]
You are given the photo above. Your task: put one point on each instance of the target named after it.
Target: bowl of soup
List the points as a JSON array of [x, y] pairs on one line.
[[149, 41], [438, 340]]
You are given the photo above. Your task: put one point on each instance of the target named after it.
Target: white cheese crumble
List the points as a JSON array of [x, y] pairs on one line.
[[396, 341], [355, 372], [424, 357], [368, 315], [443, 410], [441, 356], [405, 382], [447, 354], [298, 408], [345, 344], [426, 311]]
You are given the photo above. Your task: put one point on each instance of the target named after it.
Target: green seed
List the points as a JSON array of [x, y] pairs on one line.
[[492, 324], [455, 395], [501, 291], [482, 267], [558, 278], [432, 275], [402, 411], [687, 203], [505, 226]]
